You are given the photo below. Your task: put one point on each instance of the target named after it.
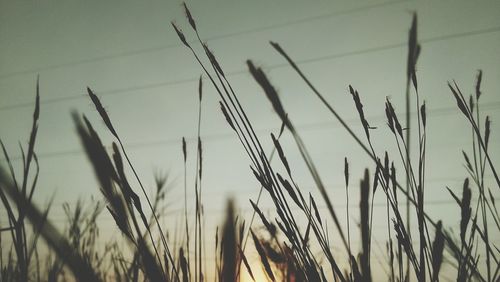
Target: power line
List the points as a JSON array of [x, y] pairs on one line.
[[267, 209], [224, 136], [211, 38], [305, 187], [270, 67]]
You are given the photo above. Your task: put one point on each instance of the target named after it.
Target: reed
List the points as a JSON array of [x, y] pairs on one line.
[[292, 244]]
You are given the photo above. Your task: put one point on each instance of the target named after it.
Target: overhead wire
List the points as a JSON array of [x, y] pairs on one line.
[[443, 111], [210, 38], [304, 61]]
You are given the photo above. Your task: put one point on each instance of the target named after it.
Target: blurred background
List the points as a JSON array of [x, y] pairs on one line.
[[129, 54]]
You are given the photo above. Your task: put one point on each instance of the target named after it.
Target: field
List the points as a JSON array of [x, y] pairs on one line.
[[309, 234]]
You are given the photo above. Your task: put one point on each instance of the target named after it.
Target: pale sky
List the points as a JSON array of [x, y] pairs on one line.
[[127, 52]]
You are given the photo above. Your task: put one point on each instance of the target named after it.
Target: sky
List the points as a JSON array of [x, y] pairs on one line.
[[128, 53]]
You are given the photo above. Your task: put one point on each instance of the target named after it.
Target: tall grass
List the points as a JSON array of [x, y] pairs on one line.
[[287, 245]]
